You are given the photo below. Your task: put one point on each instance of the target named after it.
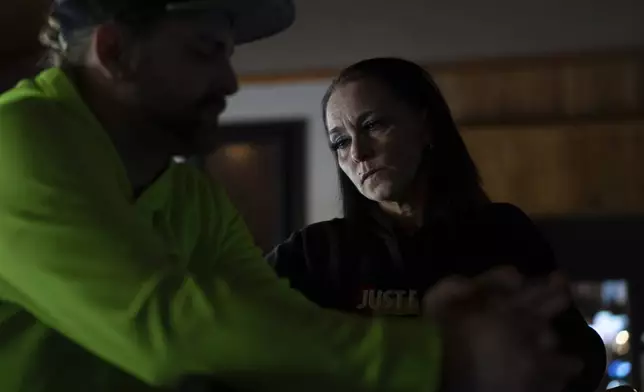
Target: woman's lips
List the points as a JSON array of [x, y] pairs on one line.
[[368, 174]]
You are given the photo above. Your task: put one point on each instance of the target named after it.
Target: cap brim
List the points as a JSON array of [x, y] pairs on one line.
[[252, 19]]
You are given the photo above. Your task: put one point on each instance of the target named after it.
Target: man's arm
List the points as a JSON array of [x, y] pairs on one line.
[[382, 347], [78, 256]]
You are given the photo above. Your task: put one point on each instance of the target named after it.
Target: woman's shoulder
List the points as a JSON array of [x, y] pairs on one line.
[[498, 214], [313, 242], [498, 219], [509, 233], [326, 227], [501, 211], [323, 231]]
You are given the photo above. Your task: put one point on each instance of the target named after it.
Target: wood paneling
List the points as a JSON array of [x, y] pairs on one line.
[[19, 68], [605, 88], [556, 138], [20, 24], [595, 86], [586, 86], [584, 168], [20, 49]]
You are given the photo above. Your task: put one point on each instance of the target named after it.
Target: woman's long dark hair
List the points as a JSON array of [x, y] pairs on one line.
[[454, 181]]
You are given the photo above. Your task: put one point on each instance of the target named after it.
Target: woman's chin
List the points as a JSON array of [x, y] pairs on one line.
[[378, 192]]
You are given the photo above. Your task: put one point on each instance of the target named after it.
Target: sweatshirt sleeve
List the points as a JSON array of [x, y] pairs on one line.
[[288, 255], [77, 256], [514, 239]]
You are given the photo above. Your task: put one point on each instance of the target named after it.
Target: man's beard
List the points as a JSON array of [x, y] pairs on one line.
[[189, 130], [190, 136]]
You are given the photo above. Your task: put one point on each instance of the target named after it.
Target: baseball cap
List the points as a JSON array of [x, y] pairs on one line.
[[252, 19]]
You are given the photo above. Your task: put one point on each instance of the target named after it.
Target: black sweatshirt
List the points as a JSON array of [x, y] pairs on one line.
[[374, 270]]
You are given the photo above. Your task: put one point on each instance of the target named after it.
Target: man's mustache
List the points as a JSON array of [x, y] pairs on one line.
[[210, 101]]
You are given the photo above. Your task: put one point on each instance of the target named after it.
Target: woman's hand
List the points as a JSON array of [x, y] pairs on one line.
[[497, 334]]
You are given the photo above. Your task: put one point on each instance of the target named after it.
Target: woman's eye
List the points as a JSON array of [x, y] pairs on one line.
[[339, 144], [372, 125]]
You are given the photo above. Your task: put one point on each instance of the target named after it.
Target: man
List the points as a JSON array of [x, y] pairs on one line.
[[121, 272]]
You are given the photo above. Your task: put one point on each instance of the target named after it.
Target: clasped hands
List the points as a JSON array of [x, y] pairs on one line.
[[497, 332]]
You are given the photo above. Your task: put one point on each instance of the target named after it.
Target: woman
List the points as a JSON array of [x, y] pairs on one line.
[[415, 211]]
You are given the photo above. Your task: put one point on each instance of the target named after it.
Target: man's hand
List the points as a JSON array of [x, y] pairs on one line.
[[497, 334]]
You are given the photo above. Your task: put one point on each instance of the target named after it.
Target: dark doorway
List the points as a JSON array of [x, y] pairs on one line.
[[261, 165]]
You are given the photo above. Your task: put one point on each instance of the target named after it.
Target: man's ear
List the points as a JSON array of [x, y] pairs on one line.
[[111, 50]]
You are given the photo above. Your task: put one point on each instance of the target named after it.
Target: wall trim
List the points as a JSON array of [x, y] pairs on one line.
[[496, 64]]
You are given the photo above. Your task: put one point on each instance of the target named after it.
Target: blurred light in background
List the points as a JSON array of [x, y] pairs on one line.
[[614, 292], [615, 384], [619, 369], [238, 152], [609, 325], [605, 305], [622, 338]]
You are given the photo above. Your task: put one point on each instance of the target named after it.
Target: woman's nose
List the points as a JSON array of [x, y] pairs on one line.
[[361, 149]]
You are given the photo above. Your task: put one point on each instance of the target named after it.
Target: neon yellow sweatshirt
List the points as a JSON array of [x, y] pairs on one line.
[[102, 292]]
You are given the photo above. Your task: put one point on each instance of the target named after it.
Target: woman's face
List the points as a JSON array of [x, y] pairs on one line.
[[379, 139]]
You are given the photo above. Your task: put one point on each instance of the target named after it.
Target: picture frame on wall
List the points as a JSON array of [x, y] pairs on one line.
[[261, 165]]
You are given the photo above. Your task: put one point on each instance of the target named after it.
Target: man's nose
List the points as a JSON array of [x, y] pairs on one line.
[[231, 85], [226, 79]]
